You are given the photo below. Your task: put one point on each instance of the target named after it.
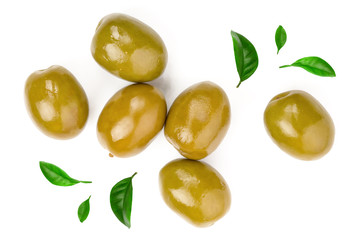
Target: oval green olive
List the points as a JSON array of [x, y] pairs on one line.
[[195, 191], [198, 120], [131, 119], [299, 125], [128, 48], [56, 102]]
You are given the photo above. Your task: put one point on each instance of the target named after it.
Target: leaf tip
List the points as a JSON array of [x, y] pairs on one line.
[[233, 34], [333, 73], [41, 163]]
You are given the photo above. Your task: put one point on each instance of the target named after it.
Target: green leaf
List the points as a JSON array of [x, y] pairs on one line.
[[57, 176], [84, 209], [121, 200], [280, 38], [246, 57], [314, 65]]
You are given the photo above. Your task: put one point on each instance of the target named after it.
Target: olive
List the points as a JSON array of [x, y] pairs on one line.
[[131, 119], [194, 190], [299, 125], [128, 48], [56, 102], [198, 120]]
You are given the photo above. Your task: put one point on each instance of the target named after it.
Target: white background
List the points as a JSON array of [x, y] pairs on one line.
[[274, 196]]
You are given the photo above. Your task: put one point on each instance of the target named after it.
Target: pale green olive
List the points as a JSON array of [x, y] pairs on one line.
[[195, 191], [128, 48], [56, 102], [131, 119], [299, 125], [198, 120]]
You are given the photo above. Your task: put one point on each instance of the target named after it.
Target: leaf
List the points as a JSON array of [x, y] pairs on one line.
[[314, 65], [121, 200], [84, 209], [246, 57], [57, 176], [280, 38]]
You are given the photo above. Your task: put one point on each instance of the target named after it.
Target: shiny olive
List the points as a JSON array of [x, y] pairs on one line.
[[131, 119], [299, 125], [198, 120], [56, 102], [128, 48], [195, 191]]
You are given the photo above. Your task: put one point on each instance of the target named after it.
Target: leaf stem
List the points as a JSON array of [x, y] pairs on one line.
[[85, 181], [133, 175], [238, 84], [284, 66]]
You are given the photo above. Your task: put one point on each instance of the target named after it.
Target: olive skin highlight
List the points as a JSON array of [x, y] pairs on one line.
[[195, 191], [198, 120], [131, 119], [56, 102], [299, 125], [128, 48]]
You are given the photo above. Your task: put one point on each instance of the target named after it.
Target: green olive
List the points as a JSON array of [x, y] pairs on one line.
[[56, 102], [195, 191], [128, 48], [131, 119], [299, 125], [198, 120]]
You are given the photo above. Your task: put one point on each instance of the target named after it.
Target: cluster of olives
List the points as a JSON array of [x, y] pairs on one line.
[[195, 124]]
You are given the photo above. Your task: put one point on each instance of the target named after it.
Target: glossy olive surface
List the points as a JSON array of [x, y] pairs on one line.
[[194, 190], [131, 119], [299, 125], [128, 48], [198, 120], [56, 102]]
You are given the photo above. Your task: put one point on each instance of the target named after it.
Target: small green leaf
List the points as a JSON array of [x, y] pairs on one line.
[[314, 65], [121, 200], [246, 57], [280, 38], [57, 176], [84, 209]]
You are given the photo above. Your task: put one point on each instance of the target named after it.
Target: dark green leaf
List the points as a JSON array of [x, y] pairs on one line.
[[84, 209], [280, 38], [121, 200], [57, 176], [314, 65], [246, 57]]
